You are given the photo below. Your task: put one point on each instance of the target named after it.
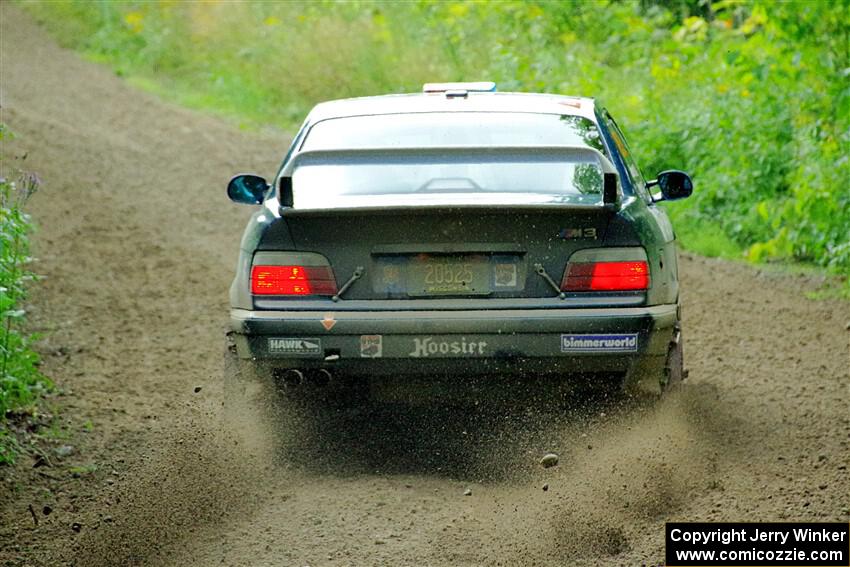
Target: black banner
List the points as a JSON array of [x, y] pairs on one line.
[[814, 544]]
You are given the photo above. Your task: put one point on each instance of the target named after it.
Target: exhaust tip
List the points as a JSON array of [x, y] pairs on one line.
[[319, 377], [292, 377]]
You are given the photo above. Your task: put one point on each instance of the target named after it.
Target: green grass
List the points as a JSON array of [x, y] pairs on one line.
[[21, 383], [840, 291], [239, 111], [82, 470], [9, 446], [700, 235]]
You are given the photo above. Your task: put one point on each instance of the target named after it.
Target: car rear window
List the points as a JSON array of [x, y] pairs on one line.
[[447, 176], [453, 129]]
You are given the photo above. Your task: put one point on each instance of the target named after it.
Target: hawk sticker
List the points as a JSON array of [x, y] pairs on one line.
[[295, 346]]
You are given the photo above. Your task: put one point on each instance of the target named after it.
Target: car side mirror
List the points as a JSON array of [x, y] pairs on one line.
[[674, 184], [247, 189]]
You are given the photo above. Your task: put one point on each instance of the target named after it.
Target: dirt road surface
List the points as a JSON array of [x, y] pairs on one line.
[[137, 242]]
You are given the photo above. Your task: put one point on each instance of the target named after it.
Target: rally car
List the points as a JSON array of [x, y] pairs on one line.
[[459, 231]]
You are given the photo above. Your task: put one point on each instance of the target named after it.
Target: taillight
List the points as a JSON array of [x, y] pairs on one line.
[[606, 276], [292, 280]]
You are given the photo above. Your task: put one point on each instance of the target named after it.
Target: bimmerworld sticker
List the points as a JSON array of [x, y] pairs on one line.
[[599, 343], [294, 346]]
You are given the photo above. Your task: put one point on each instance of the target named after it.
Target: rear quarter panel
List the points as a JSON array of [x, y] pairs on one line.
[[653, 229]]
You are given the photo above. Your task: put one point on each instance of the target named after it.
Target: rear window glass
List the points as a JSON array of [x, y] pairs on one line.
[[454, 176], [453, 129]]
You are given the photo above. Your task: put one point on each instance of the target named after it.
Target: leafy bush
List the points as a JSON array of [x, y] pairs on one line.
[[21, 384], [750, 96]]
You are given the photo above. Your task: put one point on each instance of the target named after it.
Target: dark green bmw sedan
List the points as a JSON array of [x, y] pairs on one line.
[[455, 232]]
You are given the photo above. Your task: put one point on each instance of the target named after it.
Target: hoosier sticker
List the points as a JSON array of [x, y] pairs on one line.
[[429, 346], [599, 343], [297, 347]]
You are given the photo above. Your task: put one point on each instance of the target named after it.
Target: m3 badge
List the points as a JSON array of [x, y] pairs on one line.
[[578, 232]]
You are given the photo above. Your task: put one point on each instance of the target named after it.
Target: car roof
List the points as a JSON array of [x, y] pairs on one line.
[[537, 103]]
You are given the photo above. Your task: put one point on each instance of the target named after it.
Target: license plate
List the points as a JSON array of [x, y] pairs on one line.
[[449, 275]]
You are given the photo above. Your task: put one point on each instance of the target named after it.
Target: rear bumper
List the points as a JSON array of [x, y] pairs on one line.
[[631, 340]]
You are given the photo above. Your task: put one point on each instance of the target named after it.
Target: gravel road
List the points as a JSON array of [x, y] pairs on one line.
[[137, 244]]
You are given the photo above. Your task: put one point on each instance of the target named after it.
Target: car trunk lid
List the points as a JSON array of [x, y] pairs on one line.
[[438, 252]]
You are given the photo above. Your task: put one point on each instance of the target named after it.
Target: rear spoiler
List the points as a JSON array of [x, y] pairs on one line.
[[610, 188]]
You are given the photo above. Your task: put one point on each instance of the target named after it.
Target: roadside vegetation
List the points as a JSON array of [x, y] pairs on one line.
[[752, 97], [21, 383]]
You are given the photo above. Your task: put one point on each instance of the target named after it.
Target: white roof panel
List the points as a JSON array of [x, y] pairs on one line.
[[438, 102]]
